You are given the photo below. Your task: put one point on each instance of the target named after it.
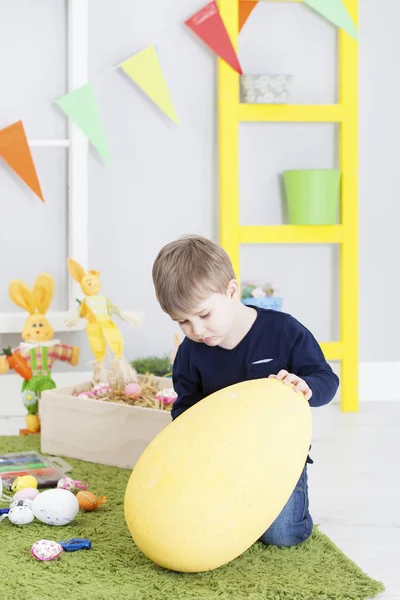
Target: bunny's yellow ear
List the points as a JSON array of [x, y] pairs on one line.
[[43, 292], [75, 270], [21, 295]]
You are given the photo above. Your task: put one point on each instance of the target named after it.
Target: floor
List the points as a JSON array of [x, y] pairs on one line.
[[354, 484]]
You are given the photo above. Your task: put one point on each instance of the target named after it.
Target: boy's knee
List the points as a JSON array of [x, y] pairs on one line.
[[283, 539], [286, 534]]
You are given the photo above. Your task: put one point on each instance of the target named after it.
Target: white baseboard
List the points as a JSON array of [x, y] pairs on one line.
[[378, 382]]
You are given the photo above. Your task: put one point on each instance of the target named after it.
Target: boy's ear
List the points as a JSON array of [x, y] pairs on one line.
[[233, 289]]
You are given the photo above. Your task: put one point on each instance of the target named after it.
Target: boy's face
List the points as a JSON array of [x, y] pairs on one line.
[[212, 321]]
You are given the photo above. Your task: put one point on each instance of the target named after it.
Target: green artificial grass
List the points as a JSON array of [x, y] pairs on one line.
[[115, 569]]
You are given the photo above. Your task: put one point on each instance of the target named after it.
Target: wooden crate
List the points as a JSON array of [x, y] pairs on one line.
[[97, 431]]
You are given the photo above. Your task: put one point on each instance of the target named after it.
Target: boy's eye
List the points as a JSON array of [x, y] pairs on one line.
[[182, 322], [34, 325], [205, 316], [40, 324]]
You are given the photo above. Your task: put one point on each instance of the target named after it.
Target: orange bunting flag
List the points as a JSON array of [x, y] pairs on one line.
[[245, 10], [14, 149], [208, 25]]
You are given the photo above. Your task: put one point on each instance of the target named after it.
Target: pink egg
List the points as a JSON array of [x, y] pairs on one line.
[[46, 550], [66, 483], [101, 389], [167, 396], [133, 389], [26, 494]]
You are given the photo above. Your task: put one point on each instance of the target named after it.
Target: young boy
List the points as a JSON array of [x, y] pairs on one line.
[[227, 342]]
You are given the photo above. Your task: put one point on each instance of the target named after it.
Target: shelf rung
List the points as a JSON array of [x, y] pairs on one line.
[[300, 113], [332, 350], [273, 0], [290, 234]]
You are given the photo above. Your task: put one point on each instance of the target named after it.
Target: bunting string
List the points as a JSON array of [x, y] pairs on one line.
[[144, 70]]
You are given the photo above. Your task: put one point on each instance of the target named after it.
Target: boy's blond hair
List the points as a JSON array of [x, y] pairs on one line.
[[188, 270]]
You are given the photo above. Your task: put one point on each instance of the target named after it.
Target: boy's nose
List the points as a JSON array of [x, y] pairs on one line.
[[198, 331]]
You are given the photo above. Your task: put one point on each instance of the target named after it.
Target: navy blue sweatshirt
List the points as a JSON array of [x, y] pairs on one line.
[[275, 341]]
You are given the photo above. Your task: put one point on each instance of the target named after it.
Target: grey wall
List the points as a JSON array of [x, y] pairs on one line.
[[162, 182]]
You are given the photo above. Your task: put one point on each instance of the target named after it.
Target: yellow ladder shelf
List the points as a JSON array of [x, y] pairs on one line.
[[232, 234]]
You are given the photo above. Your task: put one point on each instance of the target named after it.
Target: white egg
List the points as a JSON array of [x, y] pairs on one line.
[[55, 507], [20, 515]]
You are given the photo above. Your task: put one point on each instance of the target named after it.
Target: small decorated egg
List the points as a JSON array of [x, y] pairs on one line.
[[46, 550], [21, 515], [26, 494], [167, 396], [26, 481], [101, 389], [67, 483], [88, 501], [55, 507], [133, 390]]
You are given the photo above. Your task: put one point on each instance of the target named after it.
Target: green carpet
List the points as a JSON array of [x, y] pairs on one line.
[[115, 569]]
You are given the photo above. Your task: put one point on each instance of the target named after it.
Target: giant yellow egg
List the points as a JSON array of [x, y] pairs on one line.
[[210, 484]]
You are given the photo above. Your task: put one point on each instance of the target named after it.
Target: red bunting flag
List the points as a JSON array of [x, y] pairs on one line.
[[14, 149], [208, 25]]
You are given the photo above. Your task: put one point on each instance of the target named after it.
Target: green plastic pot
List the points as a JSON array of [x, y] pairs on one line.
[[313, 196]]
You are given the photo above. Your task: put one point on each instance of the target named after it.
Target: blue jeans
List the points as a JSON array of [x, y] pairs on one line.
[[294, 524]]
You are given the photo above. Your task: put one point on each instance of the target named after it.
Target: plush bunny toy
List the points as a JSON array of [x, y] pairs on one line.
[[101, 330], [39, 349]]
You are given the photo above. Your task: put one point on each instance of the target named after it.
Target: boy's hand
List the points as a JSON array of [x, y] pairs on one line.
[[299, 384]]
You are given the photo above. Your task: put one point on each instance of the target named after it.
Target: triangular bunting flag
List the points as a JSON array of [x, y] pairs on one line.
[[14, 149], [208, 25], [81, 107], [335, 12], [145, 70], [245, 10]]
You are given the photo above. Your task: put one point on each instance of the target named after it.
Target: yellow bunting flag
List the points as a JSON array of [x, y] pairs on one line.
[[145, 70]]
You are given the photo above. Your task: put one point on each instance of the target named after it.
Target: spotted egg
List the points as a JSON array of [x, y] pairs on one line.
[[21, 515], [55, 507]]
